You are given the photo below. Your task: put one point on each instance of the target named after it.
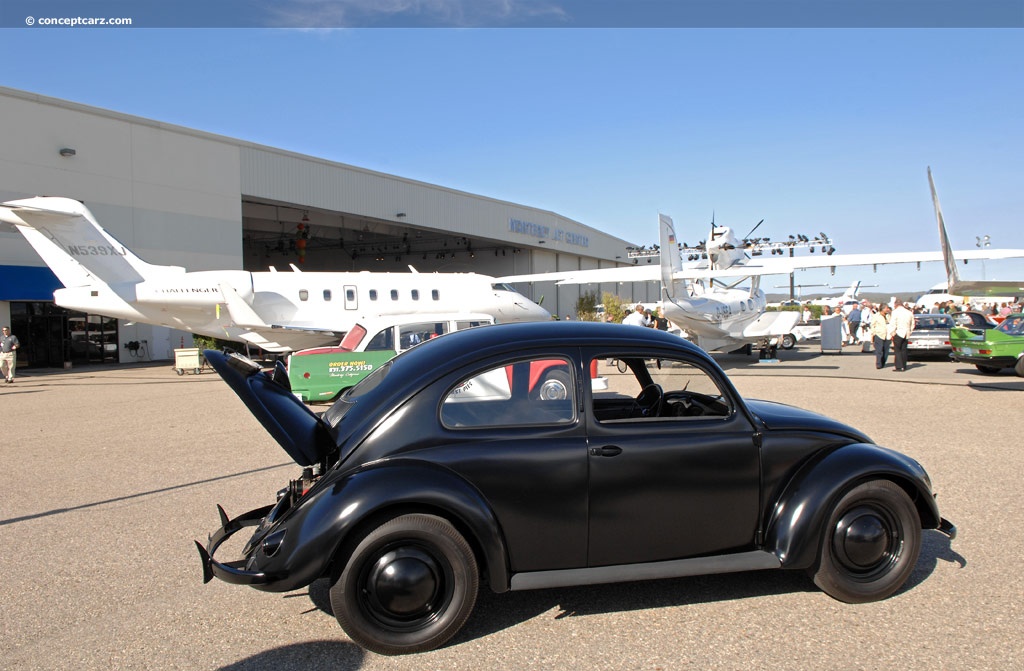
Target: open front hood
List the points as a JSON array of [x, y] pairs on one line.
[[294, 426], [782, 417]]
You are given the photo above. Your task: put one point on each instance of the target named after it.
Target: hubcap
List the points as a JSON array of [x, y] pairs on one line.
[[866, 541], [553, 390], [405, 585]]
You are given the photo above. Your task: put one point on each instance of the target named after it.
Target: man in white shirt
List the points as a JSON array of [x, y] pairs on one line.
[[637, 317], [901, 325]]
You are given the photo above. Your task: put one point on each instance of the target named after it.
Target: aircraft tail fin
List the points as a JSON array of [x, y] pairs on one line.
[[671, 261], [70, 241], [852, 291], [952, 276]]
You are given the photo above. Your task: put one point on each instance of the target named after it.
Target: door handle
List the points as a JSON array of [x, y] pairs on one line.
[[606, 451]]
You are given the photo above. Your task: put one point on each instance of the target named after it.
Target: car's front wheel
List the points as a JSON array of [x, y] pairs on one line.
[[870, 545], [408, 586]]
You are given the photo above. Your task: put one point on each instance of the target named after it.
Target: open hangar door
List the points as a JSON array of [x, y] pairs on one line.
[[284, 234]]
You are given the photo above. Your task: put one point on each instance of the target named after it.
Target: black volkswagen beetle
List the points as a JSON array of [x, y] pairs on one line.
[[516, 456]]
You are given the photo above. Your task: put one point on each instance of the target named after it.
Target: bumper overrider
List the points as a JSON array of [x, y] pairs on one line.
[[235, 572]]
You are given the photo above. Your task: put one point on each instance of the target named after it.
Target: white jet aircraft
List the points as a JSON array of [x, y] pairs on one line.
[[277, 312], [724, 317]]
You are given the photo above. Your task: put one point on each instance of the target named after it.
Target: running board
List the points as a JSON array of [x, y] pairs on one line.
[[756, 560]]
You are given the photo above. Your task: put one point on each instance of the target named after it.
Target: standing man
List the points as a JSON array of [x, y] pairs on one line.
[[8, 358], [853, 319], [901, 324], [880, 335], [637, 317]]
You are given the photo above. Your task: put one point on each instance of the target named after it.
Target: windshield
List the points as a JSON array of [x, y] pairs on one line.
[[933, 322], [1012, 325]]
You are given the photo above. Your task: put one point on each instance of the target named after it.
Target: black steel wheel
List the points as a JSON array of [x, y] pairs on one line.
[[870, 545], [408, 586]]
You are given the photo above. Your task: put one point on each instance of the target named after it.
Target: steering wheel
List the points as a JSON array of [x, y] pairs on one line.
[[650, 399]]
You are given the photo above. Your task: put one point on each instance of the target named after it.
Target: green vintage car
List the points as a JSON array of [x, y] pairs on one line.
[[999, 348]]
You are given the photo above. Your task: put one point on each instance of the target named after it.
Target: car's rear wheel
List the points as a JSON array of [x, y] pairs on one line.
[[1019, 368], [408, 586], [988, 370], [871, 543]]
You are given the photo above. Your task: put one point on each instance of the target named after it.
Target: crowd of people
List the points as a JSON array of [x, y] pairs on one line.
[[888, 327]]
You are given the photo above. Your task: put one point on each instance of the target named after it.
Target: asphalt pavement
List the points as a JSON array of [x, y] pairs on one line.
[[109, 474]]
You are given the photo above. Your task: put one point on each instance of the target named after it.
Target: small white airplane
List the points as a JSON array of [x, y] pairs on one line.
[[955, 288], [725, 317], [276, 311], [846, 300]]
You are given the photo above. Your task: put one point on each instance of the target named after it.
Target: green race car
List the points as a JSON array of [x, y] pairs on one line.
[[999, 348]]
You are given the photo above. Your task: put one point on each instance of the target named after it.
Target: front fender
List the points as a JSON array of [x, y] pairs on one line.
[[801, 513], [317, 529]]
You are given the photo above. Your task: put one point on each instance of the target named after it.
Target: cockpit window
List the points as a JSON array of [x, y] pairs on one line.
[[502, 286]]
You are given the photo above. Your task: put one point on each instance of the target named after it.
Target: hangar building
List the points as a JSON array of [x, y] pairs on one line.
[[178, 196]]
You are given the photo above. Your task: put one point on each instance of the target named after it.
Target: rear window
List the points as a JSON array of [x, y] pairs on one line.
[[1012, 325]]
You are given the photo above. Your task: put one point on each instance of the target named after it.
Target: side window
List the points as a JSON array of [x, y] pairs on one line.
[[410, 335], [415, 294], [533, 392], [463, 325], [373, 294], [649, 389], [383, 341], [350, 294], [435, 295], [327, 294], [303, 295], [394, 294]]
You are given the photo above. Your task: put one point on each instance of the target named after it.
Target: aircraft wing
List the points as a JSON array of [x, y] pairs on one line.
[[273, 337], [786, 265], [644, 273], [761, 266]]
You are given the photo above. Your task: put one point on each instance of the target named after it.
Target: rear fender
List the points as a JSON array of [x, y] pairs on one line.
[[321, 530], [799, 518]]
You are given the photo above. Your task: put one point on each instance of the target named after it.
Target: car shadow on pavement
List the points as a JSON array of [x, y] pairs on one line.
[[935, 547], [307, 655], [497, 612]]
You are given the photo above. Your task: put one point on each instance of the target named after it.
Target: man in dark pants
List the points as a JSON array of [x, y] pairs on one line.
[[880, 335], [853, 319], [902, 325]]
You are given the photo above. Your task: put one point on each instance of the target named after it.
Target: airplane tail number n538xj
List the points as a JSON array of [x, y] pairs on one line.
[[275, 311]]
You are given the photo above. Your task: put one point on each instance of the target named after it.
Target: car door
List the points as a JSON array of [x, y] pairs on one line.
[[678, 483], [524, 449]]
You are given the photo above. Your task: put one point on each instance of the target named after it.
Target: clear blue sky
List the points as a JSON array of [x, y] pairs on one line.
[[811, 130]]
